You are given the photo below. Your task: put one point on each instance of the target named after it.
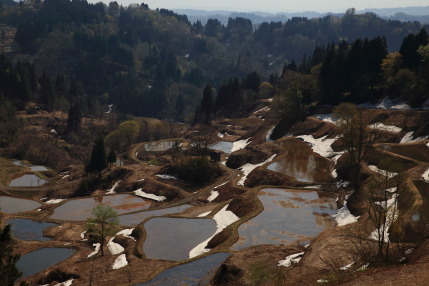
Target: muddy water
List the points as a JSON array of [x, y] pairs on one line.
[[300, 162], [135, 219], [80, 209], [223, 146], [198, 272], [11, 205], [29, 180], [288, 216], [27, 229], [173, 238], [161, 146], [38, 260]]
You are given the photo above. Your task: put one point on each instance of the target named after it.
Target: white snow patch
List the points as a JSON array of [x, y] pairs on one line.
[[383, 127], [54, 201], [364, 267], [110, 106], [294, 258], [82, 235], [322, 281], [321, 145], [313, 187], [213, 196], [166, 177], [240, 144], [121, 261], [425, 175], [114, 247], [53, 131], [391, 207], [65, 176], [247, 168], [409, 137], [409, 251], [386, 103], [223, 218], [391, 190], [220, 135], [97, 248], [347, 267], [326, 117], [344, 217], [270, 132], [65, 283], [266, 108], [126, 233], [382, 172], [112, 189], [204, 214], [140, 193]]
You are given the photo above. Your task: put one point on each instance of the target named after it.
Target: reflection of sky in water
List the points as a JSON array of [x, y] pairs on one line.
[[135, 219], [300, 163], [287, 216], [27, 229], [197, 272], [29, 180], [223, 146], [13, 205], [38, 260], [80, 209], [174, 238]]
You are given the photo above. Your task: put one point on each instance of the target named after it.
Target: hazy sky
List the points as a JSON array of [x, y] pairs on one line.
[[276, 5]]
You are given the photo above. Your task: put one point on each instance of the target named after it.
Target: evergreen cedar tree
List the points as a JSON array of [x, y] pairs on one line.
[[9, 273], [98, 160]]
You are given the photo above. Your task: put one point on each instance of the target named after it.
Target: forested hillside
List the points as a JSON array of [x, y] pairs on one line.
[[156, 63]]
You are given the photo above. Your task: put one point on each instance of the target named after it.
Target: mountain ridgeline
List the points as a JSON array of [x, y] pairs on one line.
[[73, 55]]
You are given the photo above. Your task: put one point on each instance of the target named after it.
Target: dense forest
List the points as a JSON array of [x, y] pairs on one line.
[[74, 56]]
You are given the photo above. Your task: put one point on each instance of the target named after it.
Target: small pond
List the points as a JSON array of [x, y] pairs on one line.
[[28, 180], [135, 219], [38, 168], [11, 205], [223, 146], [80, 209], [198, 272], [174, 238], [159, 146], [288, 216], [27, 229], [38, 260], [300, 162]]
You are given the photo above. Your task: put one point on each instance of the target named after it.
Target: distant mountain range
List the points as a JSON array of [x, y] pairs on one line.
[[420, 14]]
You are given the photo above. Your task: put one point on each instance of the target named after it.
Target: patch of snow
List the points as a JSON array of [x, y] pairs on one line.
[[65, 176], [313, 187], [326, 117], [386, 103], [141, 180], [121, 261], [166, 177], [204, 214], [266, 108], [213, 196], [382, 172], [220, 135], [247, 168], [115, 248], [391, 207], [126, 233], [54, 201], [97, 248], [240, 144], [294, 258], [112, 189], [137, 153], [322, 281], [65, 283], [383, 127], [82, 235], [223, 219], [364, 267], [409, 251], [344, 217], [322, 145], [425, 175], [269, 133], [347, 267], [140, 193], [270, 99], [409, 138], [110, 106], [391, 190], [53, 131]]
